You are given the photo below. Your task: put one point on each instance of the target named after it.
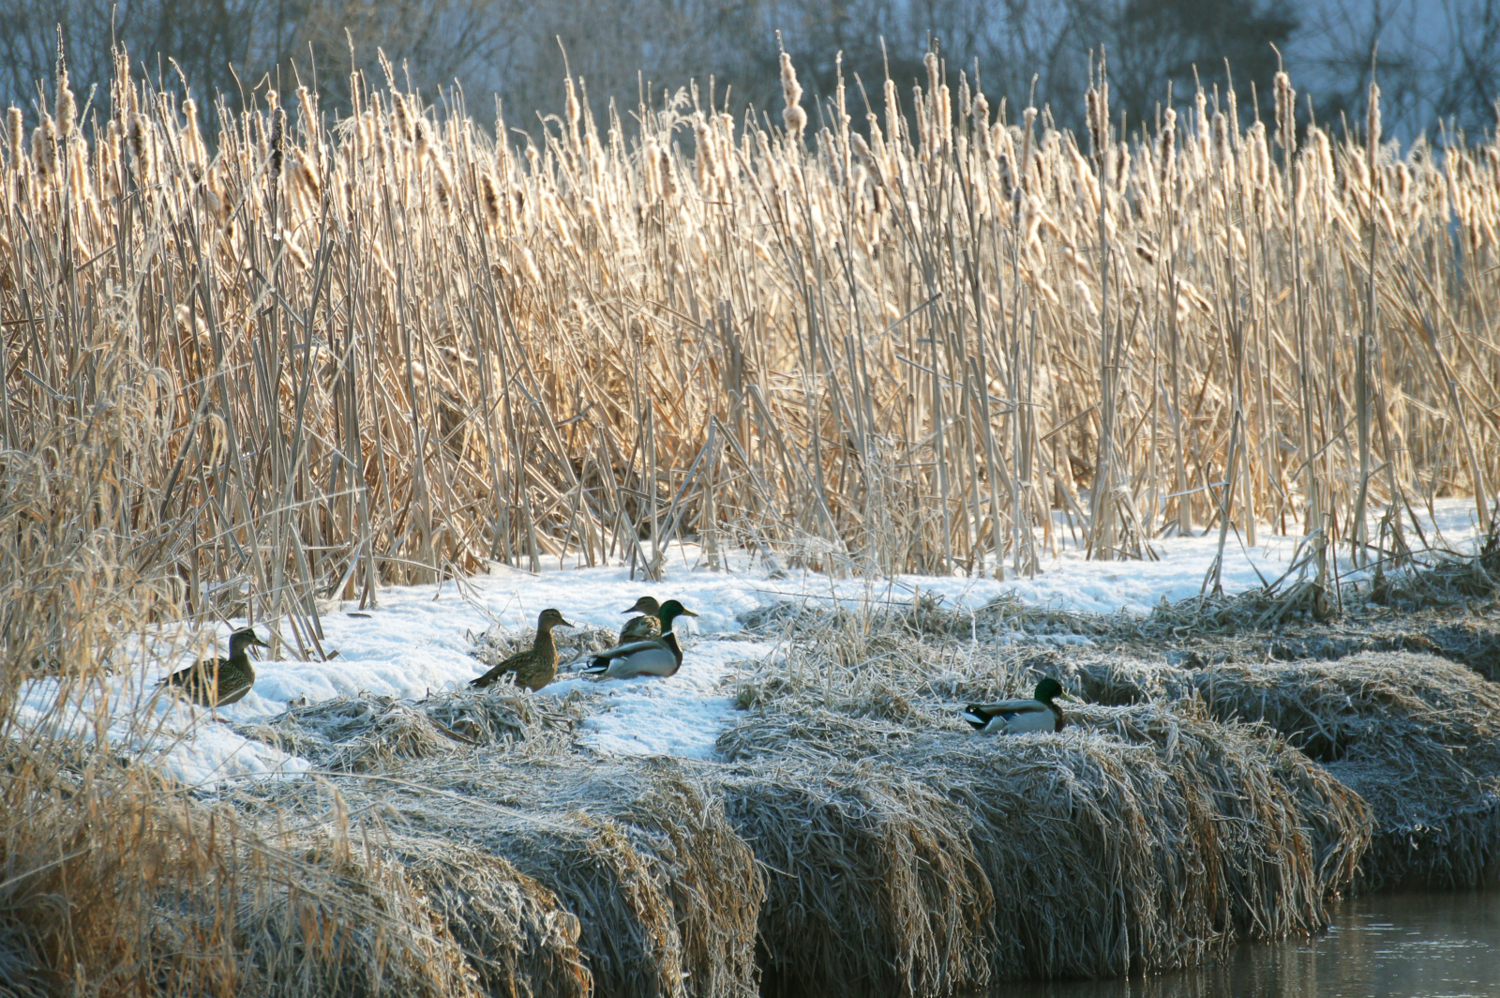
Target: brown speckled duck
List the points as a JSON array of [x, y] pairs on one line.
[[536, 666], [646, 627], [218, 682]]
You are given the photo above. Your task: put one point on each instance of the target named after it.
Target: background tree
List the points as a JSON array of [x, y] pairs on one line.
[[1439, 60]]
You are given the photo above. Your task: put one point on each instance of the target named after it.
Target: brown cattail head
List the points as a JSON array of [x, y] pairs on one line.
[[893, 116], [309, 105], [1097, 105], [121, 93], [1286, 113], [141, 153], [15, 129], [443, 184], [1260, 157], [277, 135], [1099, 130], [668, 175], [44, 149], [1028, 116], [1200, 103], [311, 122], [67, 107], [1372, 122], [924, 121], [422, 133], [215, 201], [1007, 178], [1031, 220], [942, 105], [78, 173], [401, 116], [861, 147], [1091, 113], [193, 150], [489, 197], [575, 110], [1166, 151], [650, 177], [706, 158], [1359, 172], [1322, 166], [981, 116], [1223, 151], [793, 116], [307, 175]]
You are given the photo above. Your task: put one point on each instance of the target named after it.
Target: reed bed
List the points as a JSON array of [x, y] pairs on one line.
[[302, 356], [385, 347]]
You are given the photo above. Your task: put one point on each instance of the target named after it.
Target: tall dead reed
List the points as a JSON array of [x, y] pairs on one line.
[[385, 348]]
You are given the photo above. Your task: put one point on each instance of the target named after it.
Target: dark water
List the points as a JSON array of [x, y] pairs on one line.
[[1396, 946]]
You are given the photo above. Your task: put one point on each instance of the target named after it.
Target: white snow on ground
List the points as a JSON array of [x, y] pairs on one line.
[[416, 641]]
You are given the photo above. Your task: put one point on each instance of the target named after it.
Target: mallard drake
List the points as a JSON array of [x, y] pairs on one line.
[[646, 627], [660, 656], [534, 667], [1010, 717], [218, 682]]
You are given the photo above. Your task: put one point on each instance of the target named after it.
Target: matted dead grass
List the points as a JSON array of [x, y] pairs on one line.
[[873, 885], [516, 935], [665, 893], [372, 733], [1141, 838], [197, 898], [1417, 736]]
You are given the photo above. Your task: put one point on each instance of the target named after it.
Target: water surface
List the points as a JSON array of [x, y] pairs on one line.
[[1391, 946]]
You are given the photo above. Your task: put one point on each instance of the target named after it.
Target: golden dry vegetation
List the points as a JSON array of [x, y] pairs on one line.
[[386, 347], [304, 357]]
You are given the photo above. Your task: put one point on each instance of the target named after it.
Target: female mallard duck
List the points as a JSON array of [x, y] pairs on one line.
[[1009, 717], [651, 657], [534, 667], [646, 627], [218, 682]]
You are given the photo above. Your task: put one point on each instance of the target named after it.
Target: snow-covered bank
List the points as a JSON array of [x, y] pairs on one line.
[[416, 642]]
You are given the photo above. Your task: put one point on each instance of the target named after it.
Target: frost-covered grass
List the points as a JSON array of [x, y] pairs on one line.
[[417, 640]]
